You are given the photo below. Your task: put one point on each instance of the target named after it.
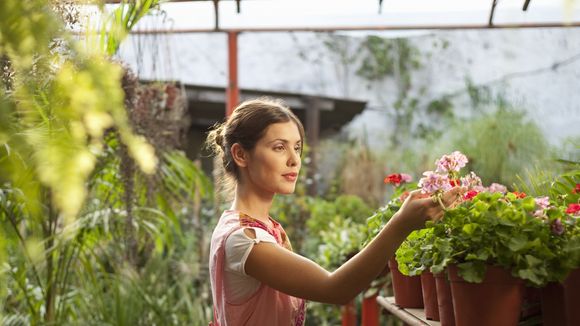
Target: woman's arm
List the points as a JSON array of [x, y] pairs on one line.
[[300, 277]]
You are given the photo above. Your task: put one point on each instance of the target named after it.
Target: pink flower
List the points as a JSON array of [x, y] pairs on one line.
[[471, 181], [539, 213], [496, 187], [433, 182], [406, 177], [479, 189], [451, 163], [542, 202]]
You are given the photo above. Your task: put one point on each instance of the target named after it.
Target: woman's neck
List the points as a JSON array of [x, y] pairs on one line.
[[254, 204]]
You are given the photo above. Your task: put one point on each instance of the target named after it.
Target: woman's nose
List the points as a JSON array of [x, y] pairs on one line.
[[294, 159]]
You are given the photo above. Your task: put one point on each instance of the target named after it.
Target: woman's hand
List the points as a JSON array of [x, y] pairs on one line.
[[419, 208]]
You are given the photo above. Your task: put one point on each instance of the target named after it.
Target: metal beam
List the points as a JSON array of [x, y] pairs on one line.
[[359, 28], [233, 92], [218, 96], [492, 11]]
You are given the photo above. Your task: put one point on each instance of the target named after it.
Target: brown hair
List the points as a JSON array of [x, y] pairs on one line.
[[246, 126]]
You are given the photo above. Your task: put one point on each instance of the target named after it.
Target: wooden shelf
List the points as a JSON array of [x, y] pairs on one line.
[[413, 317]]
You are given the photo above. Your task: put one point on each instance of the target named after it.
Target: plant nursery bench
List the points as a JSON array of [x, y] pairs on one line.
[[412, 317]]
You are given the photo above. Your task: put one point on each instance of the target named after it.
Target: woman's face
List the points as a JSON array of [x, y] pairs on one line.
[[273, 165]]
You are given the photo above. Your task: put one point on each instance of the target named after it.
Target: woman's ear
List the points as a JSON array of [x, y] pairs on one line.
[[239, 155]]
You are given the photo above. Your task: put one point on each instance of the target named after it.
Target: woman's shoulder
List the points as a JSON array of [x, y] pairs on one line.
[[249, 234]]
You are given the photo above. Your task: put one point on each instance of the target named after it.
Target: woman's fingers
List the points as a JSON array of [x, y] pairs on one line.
[[438, 216], [416, 194], [453, 197]]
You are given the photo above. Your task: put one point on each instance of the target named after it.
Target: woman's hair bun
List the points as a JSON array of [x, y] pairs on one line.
[[215, 139]]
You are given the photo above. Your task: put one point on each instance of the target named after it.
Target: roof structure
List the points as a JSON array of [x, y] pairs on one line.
[[207, 103], [329, 15]]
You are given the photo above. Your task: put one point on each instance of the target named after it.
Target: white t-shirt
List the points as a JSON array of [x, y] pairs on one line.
[[239, 285]]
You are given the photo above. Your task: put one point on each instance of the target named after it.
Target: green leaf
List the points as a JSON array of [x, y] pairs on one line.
[[517, 243], [533, 261], [472, 272], [470, 228], [529, 204]]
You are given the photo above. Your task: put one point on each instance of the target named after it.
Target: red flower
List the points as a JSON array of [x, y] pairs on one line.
[[394, 178], [454, 182], [520, 194], [576, 190], [573, 209], [470, 194]]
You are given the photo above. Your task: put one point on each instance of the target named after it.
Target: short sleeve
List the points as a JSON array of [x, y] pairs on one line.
[[239, 245]]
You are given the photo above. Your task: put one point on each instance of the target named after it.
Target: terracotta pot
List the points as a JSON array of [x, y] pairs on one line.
[[531, 303], [407, 289], [495, 301], [444, 299], [429, 296], [572, 297], [553, 305]]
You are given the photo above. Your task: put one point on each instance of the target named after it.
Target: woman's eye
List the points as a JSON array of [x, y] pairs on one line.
[[297, 149], [279, 148]]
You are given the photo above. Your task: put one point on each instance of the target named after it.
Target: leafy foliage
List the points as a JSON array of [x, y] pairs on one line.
[[86, 238], [58, 108], [497, 230], [121, 21], [415, 255]]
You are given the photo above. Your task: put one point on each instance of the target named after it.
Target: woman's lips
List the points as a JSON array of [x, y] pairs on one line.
[[290, 176]]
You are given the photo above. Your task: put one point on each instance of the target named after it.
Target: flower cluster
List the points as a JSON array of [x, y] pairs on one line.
[[452, 163], [434, 183], [447, 176], [398, 178], [535, 237]]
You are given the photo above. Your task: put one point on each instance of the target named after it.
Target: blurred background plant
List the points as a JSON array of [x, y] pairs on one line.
[[92, 215]]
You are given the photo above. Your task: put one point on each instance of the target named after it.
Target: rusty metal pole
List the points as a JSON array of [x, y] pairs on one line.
[[348, 314], [232, 91], [370, 311]]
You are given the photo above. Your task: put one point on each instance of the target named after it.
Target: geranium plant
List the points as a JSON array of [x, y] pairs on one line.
[[565, 193], [415, 254], [402, 185], [537, 239], [523, 235]]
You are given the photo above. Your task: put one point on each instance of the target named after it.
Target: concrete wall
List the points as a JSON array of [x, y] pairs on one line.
[[536, 69]]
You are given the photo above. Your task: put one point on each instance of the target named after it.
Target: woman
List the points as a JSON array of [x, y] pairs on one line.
[[256, 279]]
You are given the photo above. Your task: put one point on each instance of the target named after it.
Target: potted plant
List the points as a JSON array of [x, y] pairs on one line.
[[514, 237], [560, 295], [407, 289], [414, 259], [479, 240]]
